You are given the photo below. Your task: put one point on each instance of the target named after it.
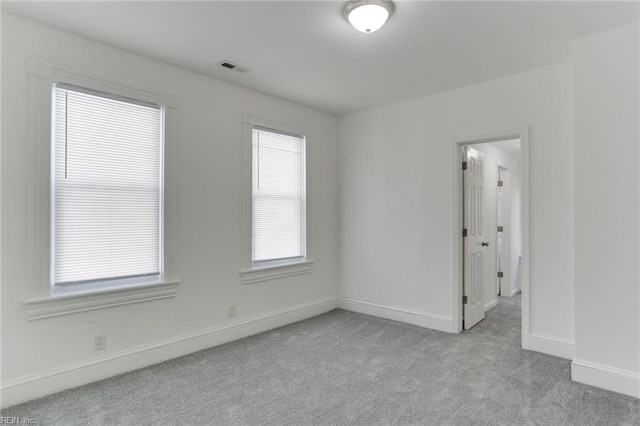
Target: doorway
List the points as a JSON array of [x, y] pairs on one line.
[[501, 246]]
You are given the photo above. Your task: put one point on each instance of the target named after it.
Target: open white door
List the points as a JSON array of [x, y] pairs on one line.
[[472, 282]]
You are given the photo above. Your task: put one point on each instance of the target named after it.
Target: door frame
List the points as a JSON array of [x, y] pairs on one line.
[[456, 232], [507, 224]]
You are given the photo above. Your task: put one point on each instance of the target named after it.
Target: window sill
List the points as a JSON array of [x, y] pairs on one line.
[[255, 275], [70, 304]]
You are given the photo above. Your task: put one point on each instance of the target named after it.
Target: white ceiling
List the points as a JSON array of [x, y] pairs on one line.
[[511, 147], [306, 52]]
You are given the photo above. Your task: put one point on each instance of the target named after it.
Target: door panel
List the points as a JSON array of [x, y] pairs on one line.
[[473, 187]]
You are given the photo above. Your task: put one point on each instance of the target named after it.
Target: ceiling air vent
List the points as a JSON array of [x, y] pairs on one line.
[[233, 66]]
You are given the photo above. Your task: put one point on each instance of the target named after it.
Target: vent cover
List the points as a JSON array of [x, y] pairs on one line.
[[232, 66]]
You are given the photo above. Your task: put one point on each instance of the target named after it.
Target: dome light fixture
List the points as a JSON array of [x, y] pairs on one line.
[[368, 16]]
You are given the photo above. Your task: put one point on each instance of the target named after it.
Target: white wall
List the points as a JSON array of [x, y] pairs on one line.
[[607, 296], [396, 204], [492, 158], [41, 356]]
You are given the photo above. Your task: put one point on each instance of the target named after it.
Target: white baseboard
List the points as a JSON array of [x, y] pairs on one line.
[[422, 319], [516, 291], [55, 380], [491, 304], [551, 345], [603, 376]]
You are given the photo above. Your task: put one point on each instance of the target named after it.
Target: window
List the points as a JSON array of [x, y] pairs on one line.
[[276, 242], [278, 223], [102, 203], [107, 172]]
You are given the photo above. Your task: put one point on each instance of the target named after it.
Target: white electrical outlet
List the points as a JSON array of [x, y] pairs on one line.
[[101, 342], [231, 311]]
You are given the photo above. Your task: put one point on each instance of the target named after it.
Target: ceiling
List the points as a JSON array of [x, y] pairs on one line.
[[304, 51], [510, 147]]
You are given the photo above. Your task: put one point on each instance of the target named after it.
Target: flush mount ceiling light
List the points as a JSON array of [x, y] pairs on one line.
[[368, 16]]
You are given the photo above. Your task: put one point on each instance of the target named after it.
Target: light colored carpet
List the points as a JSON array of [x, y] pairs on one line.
[[343, 368]]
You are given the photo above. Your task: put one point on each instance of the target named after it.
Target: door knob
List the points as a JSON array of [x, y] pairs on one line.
[[485, 244]]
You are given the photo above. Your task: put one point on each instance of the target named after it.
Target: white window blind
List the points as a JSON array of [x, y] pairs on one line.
[[278, 202], [106, 187]]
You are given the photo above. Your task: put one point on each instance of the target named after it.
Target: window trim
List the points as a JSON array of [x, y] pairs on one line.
[[48, 307], [41, 75], [249, 272]]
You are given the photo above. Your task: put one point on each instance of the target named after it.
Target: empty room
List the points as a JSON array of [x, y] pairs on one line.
[[361, 212]]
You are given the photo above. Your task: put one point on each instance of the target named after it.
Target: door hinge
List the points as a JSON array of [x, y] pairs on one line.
[[500, 274], [464, 165], [464, 300], [500, 228], [464, 232], [500, 183]]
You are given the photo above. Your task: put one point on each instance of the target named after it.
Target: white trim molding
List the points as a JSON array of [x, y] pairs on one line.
[[551, 345], [47, 382], [55, 306], [422, 319], [605, 377], [255, 275], [491, 304]]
